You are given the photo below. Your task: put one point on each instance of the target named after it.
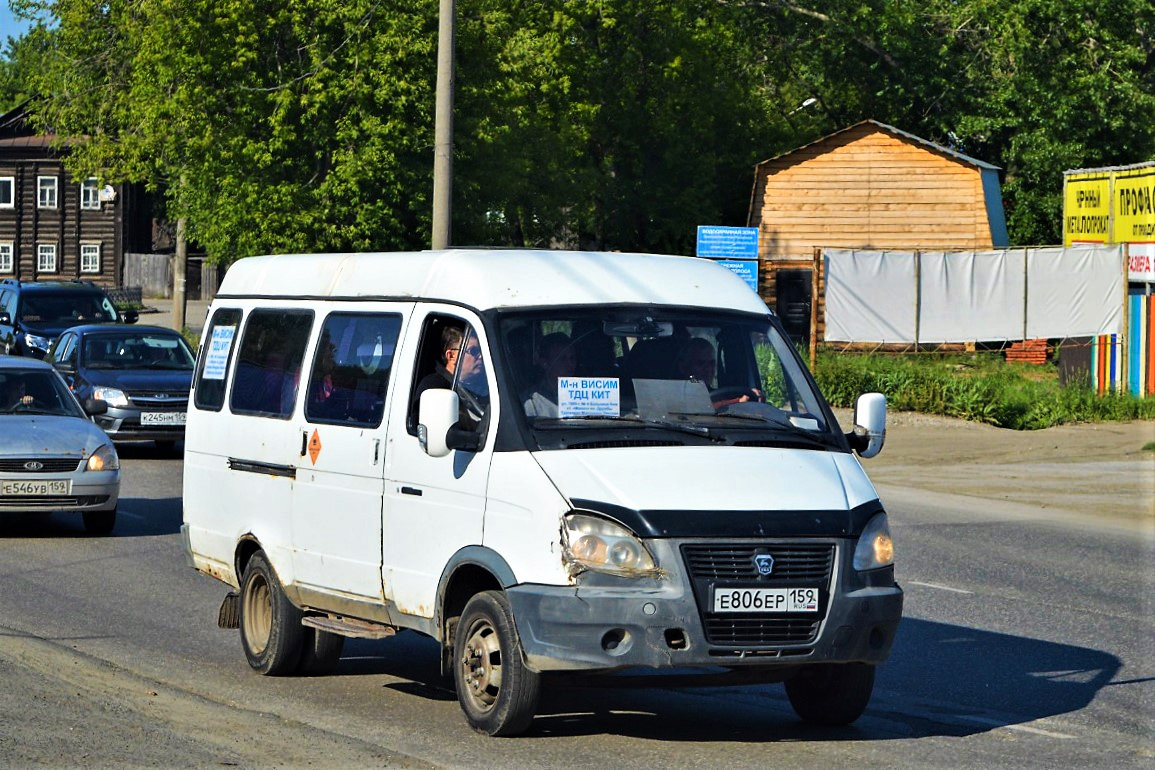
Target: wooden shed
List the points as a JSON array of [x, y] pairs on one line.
[[874, 186], [868, 186]]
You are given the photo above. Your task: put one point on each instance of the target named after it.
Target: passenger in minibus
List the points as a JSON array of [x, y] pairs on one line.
[[556, 358]]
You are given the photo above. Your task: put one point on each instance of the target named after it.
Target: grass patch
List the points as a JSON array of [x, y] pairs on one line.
[[1149, 446], [982, 388]]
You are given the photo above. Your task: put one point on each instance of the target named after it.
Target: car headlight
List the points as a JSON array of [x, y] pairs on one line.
[[875, 548], [104, 459], [37, 342], [597, 544], [111, 396]]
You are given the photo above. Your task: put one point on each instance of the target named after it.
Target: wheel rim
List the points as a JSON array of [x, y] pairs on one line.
[[257, 616], [481, 665]]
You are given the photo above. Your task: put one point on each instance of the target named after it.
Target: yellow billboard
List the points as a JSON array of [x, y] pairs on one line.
[[1086, 208], [1114, 205]]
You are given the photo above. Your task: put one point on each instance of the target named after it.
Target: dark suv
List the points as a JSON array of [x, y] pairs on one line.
[[34, 313]]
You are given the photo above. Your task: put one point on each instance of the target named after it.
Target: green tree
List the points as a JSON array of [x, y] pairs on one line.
[[304, 125], [1034, 86]]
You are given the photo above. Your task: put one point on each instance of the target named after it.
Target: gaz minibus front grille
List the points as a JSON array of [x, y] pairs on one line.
[[736, 565], [792, 562]]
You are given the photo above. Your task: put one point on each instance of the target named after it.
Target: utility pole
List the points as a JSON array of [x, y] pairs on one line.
[[179, 263], [443, 127]]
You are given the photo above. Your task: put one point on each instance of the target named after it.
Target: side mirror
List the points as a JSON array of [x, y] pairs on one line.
[[869, 432], [129, 316], [95, 406], [437, 430], [436, 413]]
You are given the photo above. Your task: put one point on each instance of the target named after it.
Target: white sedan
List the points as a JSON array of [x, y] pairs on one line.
[[52, 456]]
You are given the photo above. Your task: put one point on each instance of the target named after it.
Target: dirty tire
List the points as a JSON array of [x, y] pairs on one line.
[[496, 691], [831, 694], [99, 522], [320, 651], [271, 630]]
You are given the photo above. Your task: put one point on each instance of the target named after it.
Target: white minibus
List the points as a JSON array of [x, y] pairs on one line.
[[554, 464]]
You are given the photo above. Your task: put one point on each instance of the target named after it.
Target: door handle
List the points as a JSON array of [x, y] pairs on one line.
[[411, 491]]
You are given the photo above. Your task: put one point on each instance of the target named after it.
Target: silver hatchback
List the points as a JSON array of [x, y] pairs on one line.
[[52, 456]]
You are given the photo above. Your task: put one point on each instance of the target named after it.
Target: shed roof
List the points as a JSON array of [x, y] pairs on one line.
[[498, 278], [895, 132]]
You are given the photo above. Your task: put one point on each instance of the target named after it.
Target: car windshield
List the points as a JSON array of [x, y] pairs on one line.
[[55, 307], [132, 349], [720, 376], [36, 391]]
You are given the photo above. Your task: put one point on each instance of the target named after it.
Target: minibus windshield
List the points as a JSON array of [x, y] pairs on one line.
[[694, 372]]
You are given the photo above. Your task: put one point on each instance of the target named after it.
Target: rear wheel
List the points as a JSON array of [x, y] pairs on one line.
[[99, 522], [271, 630], [831, 694], [497, 692]]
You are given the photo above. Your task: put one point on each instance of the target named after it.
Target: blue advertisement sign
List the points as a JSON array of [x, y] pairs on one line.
[[746, 269], [727, 242]]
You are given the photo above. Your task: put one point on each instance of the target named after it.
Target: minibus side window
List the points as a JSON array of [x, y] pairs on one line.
[[269, 359], [216, 354], [351, 369]]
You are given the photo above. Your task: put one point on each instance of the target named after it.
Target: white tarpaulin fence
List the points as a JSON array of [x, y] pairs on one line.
[[973, 296]]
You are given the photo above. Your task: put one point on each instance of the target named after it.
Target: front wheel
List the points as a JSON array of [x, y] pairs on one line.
[[831, 693], [271, 630], [497, 692]]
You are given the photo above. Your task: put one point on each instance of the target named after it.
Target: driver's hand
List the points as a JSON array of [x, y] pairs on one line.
[[27, 400]]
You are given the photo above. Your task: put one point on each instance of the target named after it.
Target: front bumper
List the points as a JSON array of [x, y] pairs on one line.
[[614, 623], [91, 491], [124, 424]]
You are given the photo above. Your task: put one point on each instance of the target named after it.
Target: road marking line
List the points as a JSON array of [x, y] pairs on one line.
[[1020, 728], [941, 587]]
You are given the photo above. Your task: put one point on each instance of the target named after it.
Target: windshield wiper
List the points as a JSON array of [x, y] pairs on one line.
[[555, 423]]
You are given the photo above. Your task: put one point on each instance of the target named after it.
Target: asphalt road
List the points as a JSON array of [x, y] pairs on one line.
[[1028, 641]]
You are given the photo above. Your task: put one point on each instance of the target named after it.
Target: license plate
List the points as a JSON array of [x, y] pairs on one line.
[[765, 600], [39, 487], [162, 418]]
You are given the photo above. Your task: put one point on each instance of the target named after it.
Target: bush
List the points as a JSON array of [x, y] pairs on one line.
[[980, 387]]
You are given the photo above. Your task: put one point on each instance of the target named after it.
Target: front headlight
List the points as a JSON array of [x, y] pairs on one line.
[[597, 544], [104, 459], [111, 396], [875, 548], [36, 342]]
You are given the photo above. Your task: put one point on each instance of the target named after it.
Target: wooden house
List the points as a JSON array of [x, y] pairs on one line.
[[55, 227], [874, 186], [868, 186]]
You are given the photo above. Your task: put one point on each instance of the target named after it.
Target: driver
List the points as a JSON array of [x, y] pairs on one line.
[[697, 363]]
